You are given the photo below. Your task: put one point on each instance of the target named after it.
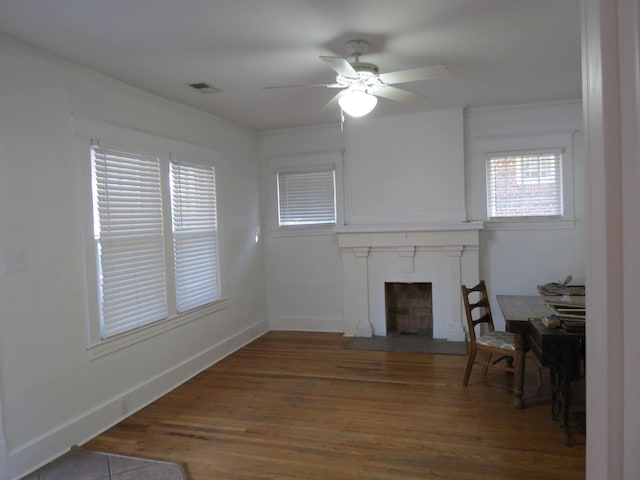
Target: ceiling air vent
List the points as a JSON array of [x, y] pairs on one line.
[[203, 87]]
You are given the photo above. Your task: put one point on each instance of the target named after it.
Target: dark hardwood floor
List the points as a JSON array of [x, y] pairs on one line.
[[302, 406]]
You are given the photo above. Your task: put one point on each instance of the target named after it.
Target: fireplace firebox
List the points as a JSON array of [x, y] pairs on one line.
[[408, 308]]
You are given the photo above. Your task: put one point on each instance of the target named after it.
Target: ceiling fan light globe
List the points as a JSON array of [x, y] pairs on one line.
[[358, 103]]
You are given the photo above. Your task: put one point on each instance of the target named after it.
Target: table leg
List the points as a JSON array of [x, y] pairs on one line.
[[518, 387], [561, 398], [569, 372]]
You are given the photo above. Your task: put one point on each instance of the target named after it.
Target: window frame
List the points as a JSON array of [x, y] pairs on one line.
[[195, 228], [524, 180], [303, 171], [563, 141], [124, 139], [118, 233], [301, 163]]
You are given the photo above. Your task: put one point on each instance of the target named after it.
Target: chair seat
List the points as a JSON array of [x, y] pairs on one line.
[[502, 340]]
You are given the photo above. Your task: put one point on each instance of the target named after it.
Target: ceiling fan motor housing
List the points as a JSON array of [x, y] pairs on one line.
[[356, 48]]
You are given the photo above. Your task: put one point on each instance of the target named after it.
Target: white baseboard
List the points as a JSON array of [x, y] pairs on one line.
[[4, 475], [56, 442], [307, 324]]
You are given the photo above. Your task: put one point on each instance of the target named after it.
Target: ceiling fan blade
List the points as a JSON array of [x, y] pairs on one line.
[[414, 75], [331, 103], [326, 85], [398, 94], [341, 66]]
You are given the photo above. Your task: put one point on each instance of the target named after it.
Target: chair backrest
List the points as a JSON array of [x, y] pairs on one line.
[[478, 311]]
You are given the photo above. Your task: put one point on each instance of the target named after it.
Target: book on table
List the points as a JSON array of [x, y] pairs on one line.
[[551, 321], [568, 304]]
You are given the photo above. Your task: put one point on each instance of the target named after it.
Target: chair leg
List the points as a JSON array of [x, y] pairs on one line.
[[485, 369], [470, 360], [539, 376]]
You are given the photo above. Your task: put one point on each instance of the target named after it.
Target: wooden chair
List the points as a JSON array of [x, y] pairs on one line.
[[494, 343]]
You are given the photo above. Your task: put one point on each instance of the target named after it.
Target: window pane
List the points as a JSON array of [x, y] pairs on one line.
[[127, 201], [306, 198], [524, 185], [195, 246]]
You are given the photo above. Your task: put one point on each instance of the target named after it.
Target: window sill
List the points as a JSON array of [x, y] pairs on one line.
[[531, 224], [308, 231], [124, 340]]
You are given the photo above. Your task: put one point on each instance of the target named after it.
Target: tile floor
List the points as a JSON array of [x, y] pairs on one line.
[[81, 464]]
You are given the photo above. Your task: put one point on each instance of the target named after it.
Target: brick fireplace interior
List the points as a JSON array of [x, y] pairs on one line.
[[408, 308]]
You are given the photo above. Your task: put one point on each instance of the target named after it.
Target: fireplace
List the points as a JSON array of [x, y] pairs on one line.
[[443, 255], [408, 308]]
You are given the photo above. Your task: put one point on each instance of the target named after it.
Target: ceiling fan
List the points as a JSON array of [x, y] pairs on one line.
[[360, 83]]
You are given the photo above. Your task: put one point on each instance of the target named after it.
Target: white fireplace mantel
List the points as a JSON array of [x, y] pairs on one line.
[[446, 255]]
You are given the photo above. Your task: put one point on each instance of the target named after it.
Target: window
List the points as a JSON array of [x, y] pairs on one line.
[[195, 250], [524, 184], [306, 197], [130, 197], [128, 230], [304, 193]]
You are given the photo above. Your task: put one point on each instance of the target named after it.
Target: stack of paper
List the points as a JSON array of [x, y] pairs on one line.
[[570, 307]]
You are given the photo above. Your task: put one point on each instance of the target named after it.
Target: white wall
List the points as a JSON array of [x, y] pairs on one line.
[[406, 169], [514, 260], [53, 395], [303, 270], [420, 169], [399, 169]]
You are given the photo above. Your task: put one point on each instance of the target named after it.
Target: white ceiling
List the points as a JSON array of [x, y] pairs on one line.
[[497, 51]]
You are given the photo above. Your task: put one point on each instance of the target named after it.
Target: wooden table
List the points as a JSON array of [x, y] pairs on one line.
[[517, 310]]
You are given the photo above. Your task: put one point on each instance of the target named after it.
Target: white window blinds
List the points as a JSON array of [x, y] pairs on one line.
[[306, 198], [128, 229], [524, 185], [193, 209]]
